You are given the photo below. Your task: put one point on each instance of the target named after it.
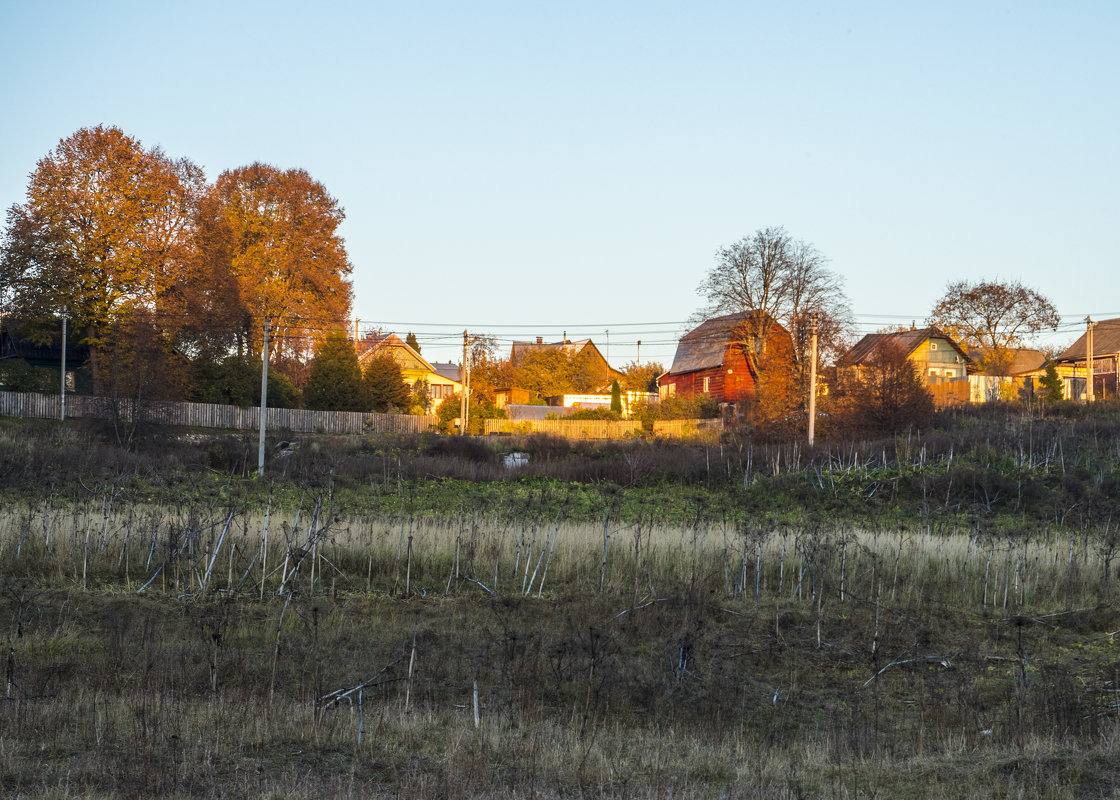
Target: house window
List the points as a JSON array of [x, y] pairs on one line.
[[933, 345], [707, 384], [934, 372]]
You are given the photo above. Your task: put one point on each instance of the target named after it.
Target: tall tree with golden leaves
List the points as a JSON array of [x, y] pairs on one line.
[[284, 254], [104, 233]]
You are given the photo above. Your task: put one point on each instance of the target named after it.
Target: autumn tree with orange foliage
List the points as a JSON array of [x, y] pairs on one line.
[[275, 234], [105, 233]]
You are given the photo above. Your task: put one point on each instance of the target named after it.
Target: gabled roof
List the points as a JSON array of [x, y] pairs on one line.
[[446, 370], [372, 342], [569, 348], [1021, 360], [703, 347], [867, 348], [1106, 342]]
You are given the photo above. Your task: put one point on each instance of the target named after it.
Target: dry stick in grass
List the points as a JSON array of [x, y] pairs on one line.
[[943, 660], [411, 668], [529, 557], [408, 570], [551, 547], [325, 701], [455, 562], [85, 553], [248, 571], [498, 552], [276, 649], [546, 550], [264, 543], [606, 543], [517, 557], [214, 557]]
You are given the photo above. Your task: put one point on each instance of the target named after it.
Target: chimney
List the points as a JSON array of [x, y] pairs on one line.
[[540, 340], [912, 325]]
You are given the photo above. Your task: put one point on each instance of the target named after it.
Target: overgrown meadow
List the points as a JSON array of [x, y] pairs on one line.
[[929, 615]]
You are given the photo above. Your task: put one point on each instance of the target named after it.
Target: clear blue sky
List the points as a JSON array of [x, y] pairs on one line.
[[523, 169]]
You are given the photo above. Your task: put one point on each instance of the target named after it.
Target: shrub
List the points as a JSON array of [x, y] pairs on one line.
[[17, 375]]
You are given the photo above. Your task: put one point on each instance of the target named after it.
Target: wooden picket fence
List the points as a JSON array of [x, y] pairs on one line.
[[950, 393], [568, 428], [211, 415]]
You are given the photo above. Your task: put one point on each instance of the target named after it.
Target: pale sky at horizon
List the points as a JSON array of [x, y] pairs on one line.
[[523, 170]]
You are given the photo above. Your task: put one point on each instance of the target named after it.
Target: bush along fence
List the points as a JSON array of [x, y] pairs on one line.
[[211, 415], [569, 428], [699, 429], [706, 430]]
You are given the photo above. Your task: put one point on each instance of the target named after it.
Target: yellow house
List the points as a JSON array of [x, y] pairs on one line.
[[939, 361], [937, 358], [442, 380]]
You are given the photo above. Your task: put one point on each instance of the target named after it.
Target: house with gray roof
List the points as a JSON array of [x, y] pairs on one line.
[[1073, 363]]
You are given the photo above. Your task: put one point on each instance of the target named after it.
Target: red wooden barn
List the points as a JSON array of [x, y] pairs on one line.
[[712, 359]]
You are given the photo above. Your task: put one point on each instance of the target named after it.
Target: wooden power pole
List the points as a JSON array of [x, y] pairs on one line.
[[464, 400], [813, 382], [1088, 359]]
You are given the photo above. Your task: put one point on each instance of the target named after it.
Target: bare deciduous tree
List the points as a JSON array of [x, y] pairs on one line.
[[993, 316], [780, 279]]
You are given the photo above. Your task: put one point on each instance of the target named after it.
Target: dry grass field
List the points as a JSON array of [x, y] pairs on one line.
[[163, 638]]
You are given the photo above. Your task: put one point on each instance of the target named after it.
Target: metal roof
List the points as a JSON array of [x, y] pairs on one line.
[[1106, 342], [867, 348], [1022, 360], [446, 370], [703, 347]]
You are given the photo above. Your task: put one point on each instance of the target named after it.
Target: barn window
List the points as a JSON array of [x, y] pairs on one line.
[[707, 384]]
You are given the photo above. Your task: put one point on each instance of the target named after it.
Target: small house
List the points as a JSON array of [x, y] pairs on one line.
[[720, 358], [442, 379], [940, 362], [1073, 363], [1004, 375]]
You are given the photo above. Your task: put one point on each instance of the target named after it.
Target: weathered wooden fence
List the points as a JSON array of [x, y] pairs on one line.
[[568, 428], [950, 393], [211, 415]]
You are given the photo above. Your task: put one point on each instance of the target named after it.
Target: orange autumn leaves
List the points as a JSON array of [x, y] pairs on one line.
[[111, 231]]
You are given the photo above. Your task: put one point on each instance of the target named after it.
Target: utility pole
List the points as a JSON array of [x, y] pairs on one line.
[[356, 321], [813, 383], [62, 384], [464, 401], [264, 397], [1088, 359]]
